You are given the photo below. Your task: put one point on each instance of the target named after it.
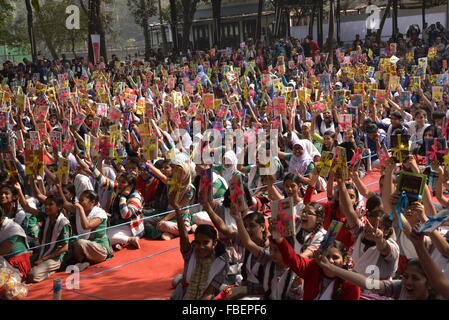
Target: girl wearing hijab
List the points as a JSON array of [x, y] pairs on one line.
[[299, 162], [180, 187], [229, 167]]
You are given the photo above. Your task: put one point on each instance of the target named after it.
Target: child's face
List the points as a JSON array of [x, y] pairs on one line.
[[428, 135], [204, 245], [68, 196], [167, 170], [308, 218], [415, 284], [297, 150], [328, 141], [87, 204], [51, 209], [352, 196], [5, 196], [420, 119], [291, 188], [255, 230], [276, 254], [336, 258]]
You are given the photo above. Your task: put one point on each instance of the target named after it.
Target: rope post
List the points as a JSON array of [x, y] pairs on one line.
[[368, 161], [57, 289]]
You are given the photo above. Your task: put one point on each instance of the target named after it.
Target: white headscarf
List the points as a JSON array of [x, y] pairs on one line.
[[302, 162], [227, 173]]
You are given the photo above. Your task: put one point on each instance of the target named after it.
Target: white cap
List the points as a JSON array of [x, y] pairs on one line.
[[339, 84]]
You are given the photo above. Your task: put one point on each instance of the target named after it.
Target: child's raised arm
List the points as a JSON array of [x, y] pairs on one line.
[[183, 234], [244, 236], [218, 222], [351, 276]]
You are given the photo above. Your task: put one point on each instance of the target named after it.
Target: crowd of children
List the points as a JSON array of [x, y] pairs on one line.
[[95, 161]]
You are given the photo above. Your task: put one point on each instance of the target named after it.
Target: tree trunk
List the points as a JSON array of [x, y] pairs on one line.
[[51, 48], [189, 7], [338, 21], [382, 22], [164, 36], [320, 22], [330, 37], [146, 34], [259, 21], [174, 25], [30, 28], [312, 20], [216, 12], [395, 18], [423, 14]]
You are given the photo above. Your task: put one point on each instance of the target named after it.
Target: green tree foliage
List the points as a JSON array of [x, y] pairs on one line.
[[50, 27], [12, 25]]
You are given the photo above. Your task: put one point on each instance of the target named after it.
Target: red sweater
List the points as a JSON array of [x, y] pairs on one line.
[[344, 235], [313, 275]]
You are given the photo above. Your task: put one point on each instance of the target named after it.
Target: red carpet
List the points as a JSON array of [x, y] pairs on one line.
[[135, 274]]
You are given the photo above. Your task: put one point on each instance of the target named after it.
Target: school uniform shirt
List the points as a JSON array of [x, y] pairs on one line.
[[55, 234], [364, 256], [279, 284], [415, 133], [199, 275], [250, 269], [310, 241], [97, 235], [315, 285]]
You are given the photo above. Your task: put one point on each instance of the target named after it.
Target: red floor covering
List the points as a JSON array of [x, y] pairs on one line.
[[135, 274]]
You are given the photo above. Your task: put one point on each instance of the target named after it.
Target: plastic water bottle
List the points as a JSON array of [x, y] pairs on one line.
[[57, 289]]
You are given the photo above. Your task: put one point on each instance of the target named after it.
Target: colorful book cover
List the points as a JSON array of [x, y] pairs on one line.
[[34, 162], [10, 165], [344, 122], [206, 186], [413, 184], [341, 163], [56, 139], [437, 93], [283, 217], [325, 163], [436, 149], [238, 192], [63, 170], [399, 147], [150, 146], [332, 234]]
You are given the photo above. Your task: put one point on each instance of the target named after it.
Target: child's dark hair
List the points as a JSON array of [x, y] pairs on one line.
[[293, 177], [210, 232], [58, 200], [70, 188], [373, 202], [436, 132], [422, 112], [91, 195]]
